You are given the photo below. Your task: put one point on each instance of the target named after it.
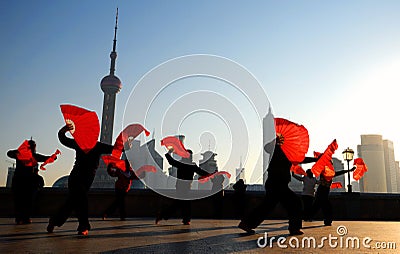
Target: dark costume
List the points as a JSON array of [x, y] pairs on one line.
[[218, 196], [277, 190], [239, 198], [79, 182], [185, 171], [322, 198], [122, 186], [308, 194], [24, 185]]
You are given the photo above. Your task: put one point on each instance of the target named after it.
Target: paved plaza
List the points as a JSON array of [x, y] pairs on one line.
[[141, 235]]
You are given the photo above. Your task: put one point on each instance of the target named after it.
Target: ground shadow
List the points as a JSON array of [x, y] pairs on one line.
[[224, 243]]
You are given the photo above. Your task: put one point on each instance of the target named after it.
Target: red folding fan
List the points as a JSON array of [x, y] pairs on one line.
[[114, 161], [361, 168], [129, 133], [86, 125], [336, 185], [296, 139], [329, 172], [176, 144], [324, 159], [297, 169], [52, 158], [145, 168], [25, 154], [205, 178]]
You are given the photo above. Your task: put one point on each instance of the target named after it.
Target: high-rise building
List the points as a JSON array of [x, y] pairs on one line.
[[10, 175], [140, 155], [390, 166], [397, 167], [268, 125], [372, 152], [240, 173], [355, 186], [110, 85]]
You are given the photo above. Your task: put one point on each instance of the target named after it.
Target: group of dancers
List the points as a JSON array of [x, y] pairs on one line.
[[87, 162], [278, 191]]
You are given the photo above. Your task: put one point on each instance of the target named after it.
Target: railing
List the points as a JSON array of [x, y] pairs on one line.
[[146, 203]]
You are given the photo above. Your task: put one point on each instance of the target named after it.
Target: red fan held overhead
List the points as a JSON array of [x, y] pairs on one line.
[[361, 168], [176, 144], [86, 125], [52, 158], [296, 139], [203, 179], [128, 134], [25, 154], [325, 160]]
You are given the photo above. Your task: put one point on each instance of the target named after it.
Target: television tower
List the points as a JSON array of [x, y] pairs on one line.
[[110, 85]]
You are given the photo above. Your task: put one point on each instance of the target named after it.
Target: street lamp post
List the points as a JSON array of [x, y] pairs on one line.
[[348, 155]]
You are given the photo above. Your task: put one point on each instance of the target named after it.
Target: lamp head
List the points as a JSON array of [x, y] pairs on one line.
[[348, 154]]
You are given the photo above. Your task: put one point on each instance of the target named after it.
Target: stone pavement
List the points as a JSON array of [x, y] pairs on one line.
[[140, 235]]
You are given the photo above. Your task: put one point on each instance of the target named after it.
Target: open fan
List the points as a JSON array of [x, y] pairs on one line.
[[297, 169], [361, 168], [86, 125], [328, 172], [325, 160], [129, 133], [145, 168], [205, 178], [52, 158], [336, 185], [176, 144], [25, 154], [296, 139], [120, 164], [114, 161]]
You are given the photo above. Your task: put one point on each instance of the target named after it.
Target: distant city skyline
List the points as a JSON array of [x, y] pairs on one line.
[[331, 66], [383, 170]]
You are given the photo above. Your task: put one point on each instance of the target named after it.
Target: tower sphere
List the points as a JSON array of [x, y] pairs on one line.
[[111, 84]]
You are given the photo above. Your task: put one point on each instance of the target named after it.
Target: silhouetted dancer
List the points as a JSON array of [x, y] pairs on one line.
[[79, 182], [218, 196], [38, 183], [322, 197], [307, 196], [122, 186], [277, 191], [239, 198], [185, 172], [23, 184]]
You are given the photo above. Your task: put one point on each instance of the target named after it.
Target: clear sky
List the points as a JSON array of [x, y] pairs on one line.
[[332, 66]]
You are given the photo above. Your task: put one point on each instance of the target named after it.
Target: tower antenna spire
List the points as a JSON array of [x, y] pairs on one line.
[[113, 54]]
